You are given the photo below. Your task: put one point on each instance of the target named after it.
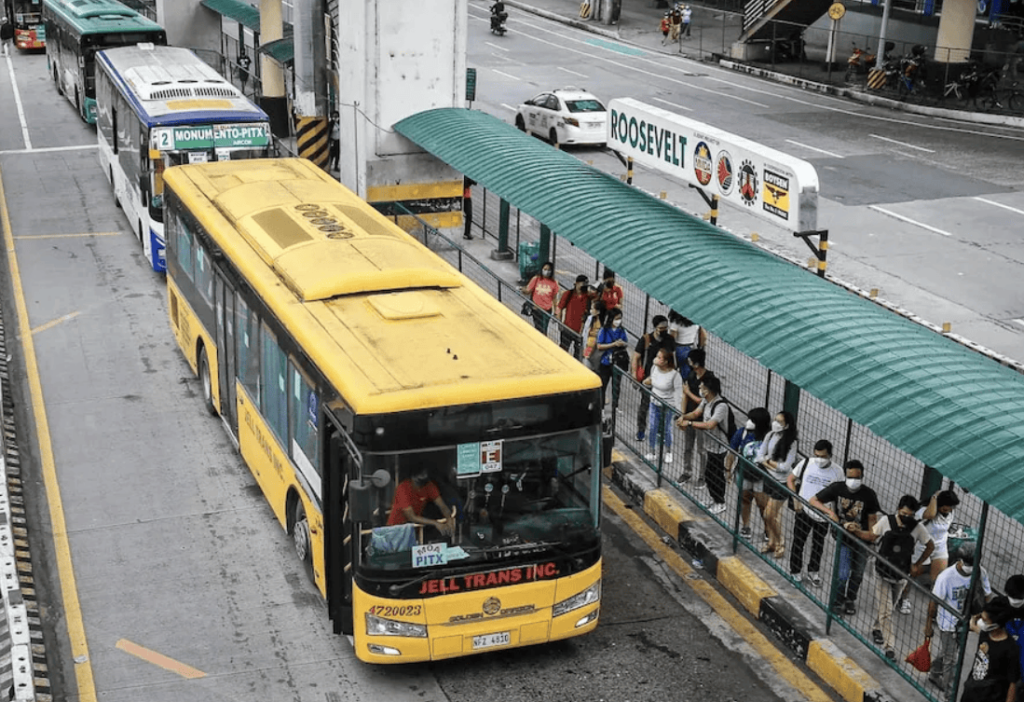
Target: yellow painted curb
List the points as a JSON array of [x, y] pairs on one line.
[[743, 583], [839, 671], [665, 511]]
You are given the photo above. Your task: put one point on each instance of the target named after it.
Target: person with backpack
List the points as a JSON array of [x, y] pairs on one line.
[[717, 426], [953, 588], [813, 474], [647, 348], [611, 345], [896, 536], [688, 336], [776, 458], [745, 443]]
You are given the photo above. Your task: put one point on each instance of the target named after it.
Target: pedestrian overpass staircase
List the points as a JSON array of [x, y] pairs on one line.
[[787, 16]]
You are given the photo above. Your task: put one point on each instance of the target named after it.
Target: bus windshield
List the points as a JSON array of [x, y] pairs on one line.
[[524, 498]]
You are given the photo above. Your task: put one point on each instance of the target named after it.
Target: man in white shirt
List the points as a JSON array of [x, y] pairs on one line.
[[814, 474], [953, 588], [897, 536]]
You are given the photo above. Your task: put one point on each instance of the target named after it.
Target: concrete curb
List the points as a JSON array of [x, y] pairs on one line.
[[16, 670], [586, 25], [707, 542]]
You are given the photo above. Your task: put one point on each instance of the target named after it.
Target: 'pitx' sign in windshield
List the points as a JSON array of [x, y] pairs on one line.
[[211, 136]]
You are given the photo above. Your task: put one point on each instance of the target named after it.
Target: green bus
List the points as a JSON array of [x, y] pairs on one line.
[[76, 30]]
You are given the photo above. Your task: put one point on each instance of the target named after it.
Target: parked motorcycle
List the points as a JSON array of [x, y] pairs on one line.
[[498, 17], [862, 60]]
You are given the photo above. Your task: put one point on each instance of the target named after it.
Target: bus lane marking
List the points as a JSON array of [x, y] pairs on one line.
[[999, 204], [902, 143], [48, 149], [159, 660], [31, 237], [17, 103], [736, 620], [908, 220], [61, 543], [54, 322]]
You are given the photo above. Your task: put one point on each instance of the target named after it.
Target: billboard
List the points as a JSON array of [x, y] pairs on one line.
[[770, 184]]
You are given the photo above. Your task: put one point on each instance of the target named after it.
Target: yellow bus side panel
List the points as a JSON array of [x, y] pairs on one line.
[[275, 474], [188, 330], [415, 191], [522, 610]]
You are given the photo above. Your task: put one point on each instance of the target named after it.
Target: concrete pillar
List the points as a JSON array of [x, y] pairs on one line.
[[190, 25], [310, 98], [956, 30], [273, 100]]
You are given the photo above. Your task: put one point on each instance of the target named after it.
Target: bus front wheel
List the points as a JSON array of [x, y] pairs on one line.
[[206, 380], [301, 540], [56, 80]]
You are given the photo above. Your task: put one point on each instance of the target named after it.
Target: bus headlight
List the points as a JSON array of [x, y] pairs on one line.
[[378, 626], [589, 596]]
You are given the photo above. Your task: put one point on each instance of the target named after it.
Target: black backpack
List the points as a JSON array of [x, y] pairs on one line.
[[730, 421], [897, 547]]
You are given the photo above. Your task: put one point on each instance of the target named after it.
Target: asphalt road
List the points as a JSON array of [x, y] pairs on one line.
[[927, 210], [163, 539]]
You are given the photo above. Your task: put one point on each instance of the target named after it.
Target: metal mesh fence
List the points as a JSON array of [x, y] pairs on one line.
[[890, 618]]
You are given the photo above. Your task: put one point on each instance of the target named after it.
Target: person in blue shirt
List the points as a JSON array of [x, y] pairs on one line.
[[611, 342], [1015, 626], [746, 442]]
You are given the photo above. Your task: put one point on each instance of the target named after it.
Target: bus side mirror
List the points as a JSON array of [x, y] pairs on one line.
[[362, 495]]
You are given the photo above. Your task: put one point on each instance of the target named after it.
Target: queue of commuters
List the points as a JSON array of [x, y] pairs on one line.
[[669, 362]]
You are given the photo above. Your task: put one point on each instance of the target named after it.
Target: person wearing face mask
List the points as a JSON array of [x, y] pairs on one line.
[[1015, 626], [937, 517], [692, 398], [996, 668], [855, 507], [571, 309], [714, 414], [952, 587], [815, 474], [667, 387], [591, 328], [542, 289], [776, 458], [611, 341], [688, 336], [896, 536], [746, 442], [412, 496], [647, 348], [610, 293]]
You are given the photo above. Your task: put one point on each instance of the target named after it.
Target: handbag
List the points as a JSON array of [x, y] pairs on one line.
[[921, 657], [794, 504], [527, 308], [640, 374]]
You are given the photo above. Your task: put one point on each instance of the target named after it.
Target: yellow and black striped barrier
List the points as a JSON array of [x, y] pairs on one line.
[[585, 10], [312, 139], [876, 78]]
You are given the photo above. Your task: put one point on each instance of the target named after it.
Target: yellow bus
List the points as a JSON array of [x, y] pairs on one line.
[[436, 460]]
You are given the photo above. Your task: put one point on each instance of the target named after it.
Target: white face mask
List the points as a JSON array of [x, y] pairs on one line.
[[967, 569], [987, 626], [854, 483], [617, 323], [749, 426], [1017, 604], [777, 427], [821, 462], [547, 273], [672, 329]]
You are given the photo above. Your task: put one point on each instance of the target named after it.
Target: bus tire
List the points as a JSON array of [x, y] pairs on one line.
[[56, 80], [301, 540], [78, 101], [206, 381]]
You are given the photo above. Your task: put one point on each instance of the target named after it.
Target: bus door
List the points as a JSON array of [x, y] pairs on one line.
[[341, 459], [225, 313]]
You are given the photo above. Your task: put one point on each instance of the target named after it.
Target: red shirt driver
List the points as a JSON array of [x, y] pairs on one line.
[[411, 496]]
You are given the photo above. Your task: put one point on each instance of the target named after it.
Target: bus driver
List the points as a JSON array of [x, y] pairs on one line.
[[412, 496]]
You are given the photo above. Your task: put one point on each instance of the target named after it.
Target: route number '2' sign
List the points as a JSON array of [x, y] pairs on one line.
[[490, 456]]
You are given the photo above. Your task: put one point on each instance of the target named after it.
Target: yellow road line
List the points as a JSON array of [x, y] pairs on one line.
[[732, 616], [66, 236], [55, 322], [62, 547], [159, 659]]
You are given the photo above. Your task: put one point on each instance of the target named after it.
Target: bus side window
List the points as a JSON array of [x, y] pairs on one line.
[[247, 342]]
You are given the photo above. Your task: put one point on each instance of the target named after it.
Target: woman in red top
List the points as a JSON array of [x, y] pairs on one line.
[[610, 293], [543, 289]]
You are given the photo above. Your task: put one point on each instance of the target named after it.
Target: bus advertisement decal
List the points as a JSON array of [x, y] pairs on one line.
[[496, 578]]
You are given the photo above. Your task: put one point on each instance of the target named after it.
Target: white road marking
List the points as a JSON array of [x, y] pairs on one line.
[[908, 220], [17, 101], [999, 204], [813, 148], [507, 75], [508, 107], [499, 48], [49, 148], [673, 104], [901, 143], [1019, 321], [571, 72]]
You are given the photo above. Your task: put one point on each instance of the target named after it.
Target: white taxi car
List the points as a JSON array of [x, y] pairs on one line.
[[564, 116]]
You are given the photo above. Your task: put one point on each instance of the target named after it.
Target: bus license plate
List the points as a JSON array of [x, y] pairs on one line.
[[489, 640]]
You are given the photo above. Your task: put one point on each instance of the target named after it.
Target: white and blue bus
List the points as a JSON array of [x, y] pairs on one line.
[[162, 106]]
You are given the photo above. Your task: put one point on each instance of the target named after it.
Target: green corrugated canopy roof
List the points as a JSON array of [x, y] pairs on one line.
[[956, 410], [241, 12]]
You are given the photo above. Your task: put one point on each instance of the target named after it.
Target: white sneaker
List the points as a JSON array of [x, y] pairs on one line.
[[905, 607], [649, 456], [668, 458], [815, 579], [717, 508], [797, 577]]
